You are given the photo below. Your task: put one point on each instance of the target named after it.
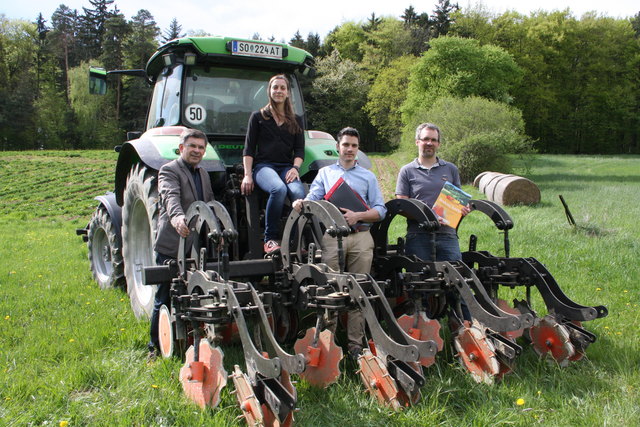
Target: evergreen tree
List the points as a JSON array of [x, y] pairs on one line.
[[409, 17], [419, 26], [140, 44], [173, 32], [372, 23], [441, 18], [41, 27], [313, 44], [63, 40], [635, 24], [297, 40], [116, 31], [92, 27]]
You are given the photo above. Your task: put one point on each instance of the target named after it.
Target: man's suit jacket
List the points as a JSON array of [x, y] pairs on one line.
[[177, 191]]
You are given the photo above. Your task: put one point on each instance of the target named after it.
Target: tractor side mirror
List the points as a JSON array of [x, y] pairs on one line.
[[97, 81]]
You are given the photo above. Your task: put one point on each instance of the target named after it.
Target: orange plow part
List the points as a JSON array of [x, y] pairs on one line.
[[202, 381], [323, 360], [476, 354], [504, 306], [550, 338], [249, 404], [376, 378], [423, 329]]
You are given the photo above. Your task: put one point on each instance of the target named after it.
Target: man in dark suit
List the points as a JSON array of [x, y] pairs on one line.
[[180, 183]]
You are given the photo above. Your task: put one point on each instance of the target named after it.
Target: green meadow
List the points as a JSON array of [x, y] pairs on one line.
[[72, 354]]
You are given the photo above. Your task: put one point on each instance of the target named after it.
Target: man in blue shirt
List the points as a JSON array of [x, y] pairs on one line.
[[358, 246]]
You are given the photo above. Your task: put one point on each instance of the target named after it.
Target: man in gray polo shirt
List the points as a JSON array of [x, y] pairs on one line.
[[423, 179]]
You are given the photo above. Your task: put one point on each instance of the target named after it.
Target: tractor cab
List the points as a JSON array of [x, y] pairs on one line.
[[213, 84]]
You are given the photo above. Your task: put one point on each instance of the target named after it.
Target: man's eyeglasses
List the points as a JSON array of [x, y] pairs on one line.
[[428, 140], [196, 146]]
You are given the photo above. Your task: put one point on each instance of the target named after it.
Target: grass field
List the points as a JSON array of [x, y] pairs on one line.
[[72, 353]]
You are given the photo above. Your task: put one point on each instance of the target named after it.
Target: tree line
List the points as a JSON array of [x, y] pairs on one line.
[[547, 81]]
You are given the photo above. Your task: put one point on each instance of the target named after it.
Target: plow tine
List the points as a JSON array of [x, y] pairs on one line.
[[555, 299], [293, 363], [398, 344], [478, 301]]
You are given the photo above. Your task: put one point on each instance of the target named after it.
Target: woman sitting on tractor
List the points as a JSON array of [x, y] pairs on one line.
[[272, 156]]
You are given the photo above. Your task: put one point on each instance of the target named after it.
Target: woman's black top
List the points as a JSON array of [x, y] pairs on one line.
[[267, 142]]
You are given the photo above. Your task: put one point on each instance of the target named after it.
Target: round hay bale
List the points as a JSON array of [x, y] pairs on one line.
[[511, 190], [486, 179], [476, 181]]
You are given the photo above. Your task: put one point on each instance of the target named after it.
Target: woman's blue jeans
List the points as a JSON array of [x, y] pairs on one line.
[[270, 177]]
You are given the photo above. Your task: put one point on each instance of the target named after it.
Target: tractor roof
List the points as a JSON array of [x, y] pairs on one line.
[[232, 51]]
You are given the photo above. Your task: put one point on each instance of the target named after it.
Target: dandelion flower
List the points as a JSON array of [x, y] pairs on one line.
[[154, 386], [7, 317], [64, 423], [72, 340], [520, 402], [598, 289]]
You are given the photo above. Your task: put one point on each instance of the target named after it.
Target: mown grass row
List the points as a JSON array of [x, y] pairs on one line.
[[71, 352]]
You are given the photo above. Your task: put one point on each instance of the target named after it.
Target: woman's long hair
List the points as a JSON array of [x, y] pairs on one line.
[[270, 110]]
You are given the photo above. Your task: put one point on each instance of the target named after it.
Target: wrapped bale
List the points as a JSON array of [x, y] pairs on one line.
[[476, 181], [506, 189]]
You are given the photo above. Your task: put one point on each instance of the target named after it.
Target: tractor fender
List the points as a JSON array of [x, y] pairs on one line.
[[155, 148], [113, 209]]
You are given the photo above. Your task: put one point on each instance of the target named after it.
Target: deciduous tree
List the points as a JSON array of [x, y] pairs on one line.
[[461, 68]]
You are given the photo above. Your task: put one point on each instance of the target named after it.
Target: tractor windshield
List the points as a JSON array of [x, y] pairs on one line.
[[219, 100]]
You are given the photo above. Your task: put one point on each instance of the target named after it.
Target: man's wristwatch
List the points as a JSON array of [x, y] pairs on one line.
[[296, 168]]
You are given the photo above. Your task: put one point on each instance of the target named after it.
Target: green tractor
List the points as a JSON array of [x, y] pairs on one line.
[[208, 83]]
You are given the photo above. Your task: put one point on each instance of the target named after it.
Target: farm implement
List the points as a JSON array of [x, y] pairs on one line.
[[214, 296], [559, 334], [284, 309]]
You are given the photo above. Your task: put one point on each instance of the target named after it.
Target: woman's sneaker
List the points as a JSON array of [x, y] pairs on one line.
[[270, 246]]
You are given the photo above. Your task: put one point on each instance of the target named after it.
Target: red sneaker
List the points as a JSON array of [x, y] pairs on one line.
[[270, 246]]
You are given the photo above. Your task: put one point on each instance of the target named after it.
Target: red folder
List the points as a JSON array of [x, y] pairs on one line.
[[343, 196]]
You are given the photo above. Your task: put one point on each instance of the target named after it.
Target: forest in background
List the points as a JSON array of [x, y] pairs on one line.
[[571, 84]]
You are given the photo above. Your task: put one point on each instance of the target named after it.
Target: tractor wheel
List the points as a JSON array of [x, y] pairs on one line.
[[105, 250], [139, 224]]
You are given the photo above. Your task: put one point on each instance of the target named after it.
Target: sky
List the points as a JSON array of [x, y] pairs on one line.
[[282, 18]]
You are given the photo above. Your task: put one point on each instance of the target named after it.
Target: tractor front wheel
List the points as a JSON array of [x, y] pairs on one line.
[[139, 223], [105, 250]]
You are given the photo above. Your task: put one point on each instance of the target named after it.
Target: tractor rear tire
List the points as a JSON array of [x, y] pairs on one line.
[[139, 225], [105, 250]]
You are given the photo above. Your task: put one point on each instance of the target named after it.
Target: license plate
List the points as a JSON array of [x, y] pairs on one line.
[[261, 50]]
